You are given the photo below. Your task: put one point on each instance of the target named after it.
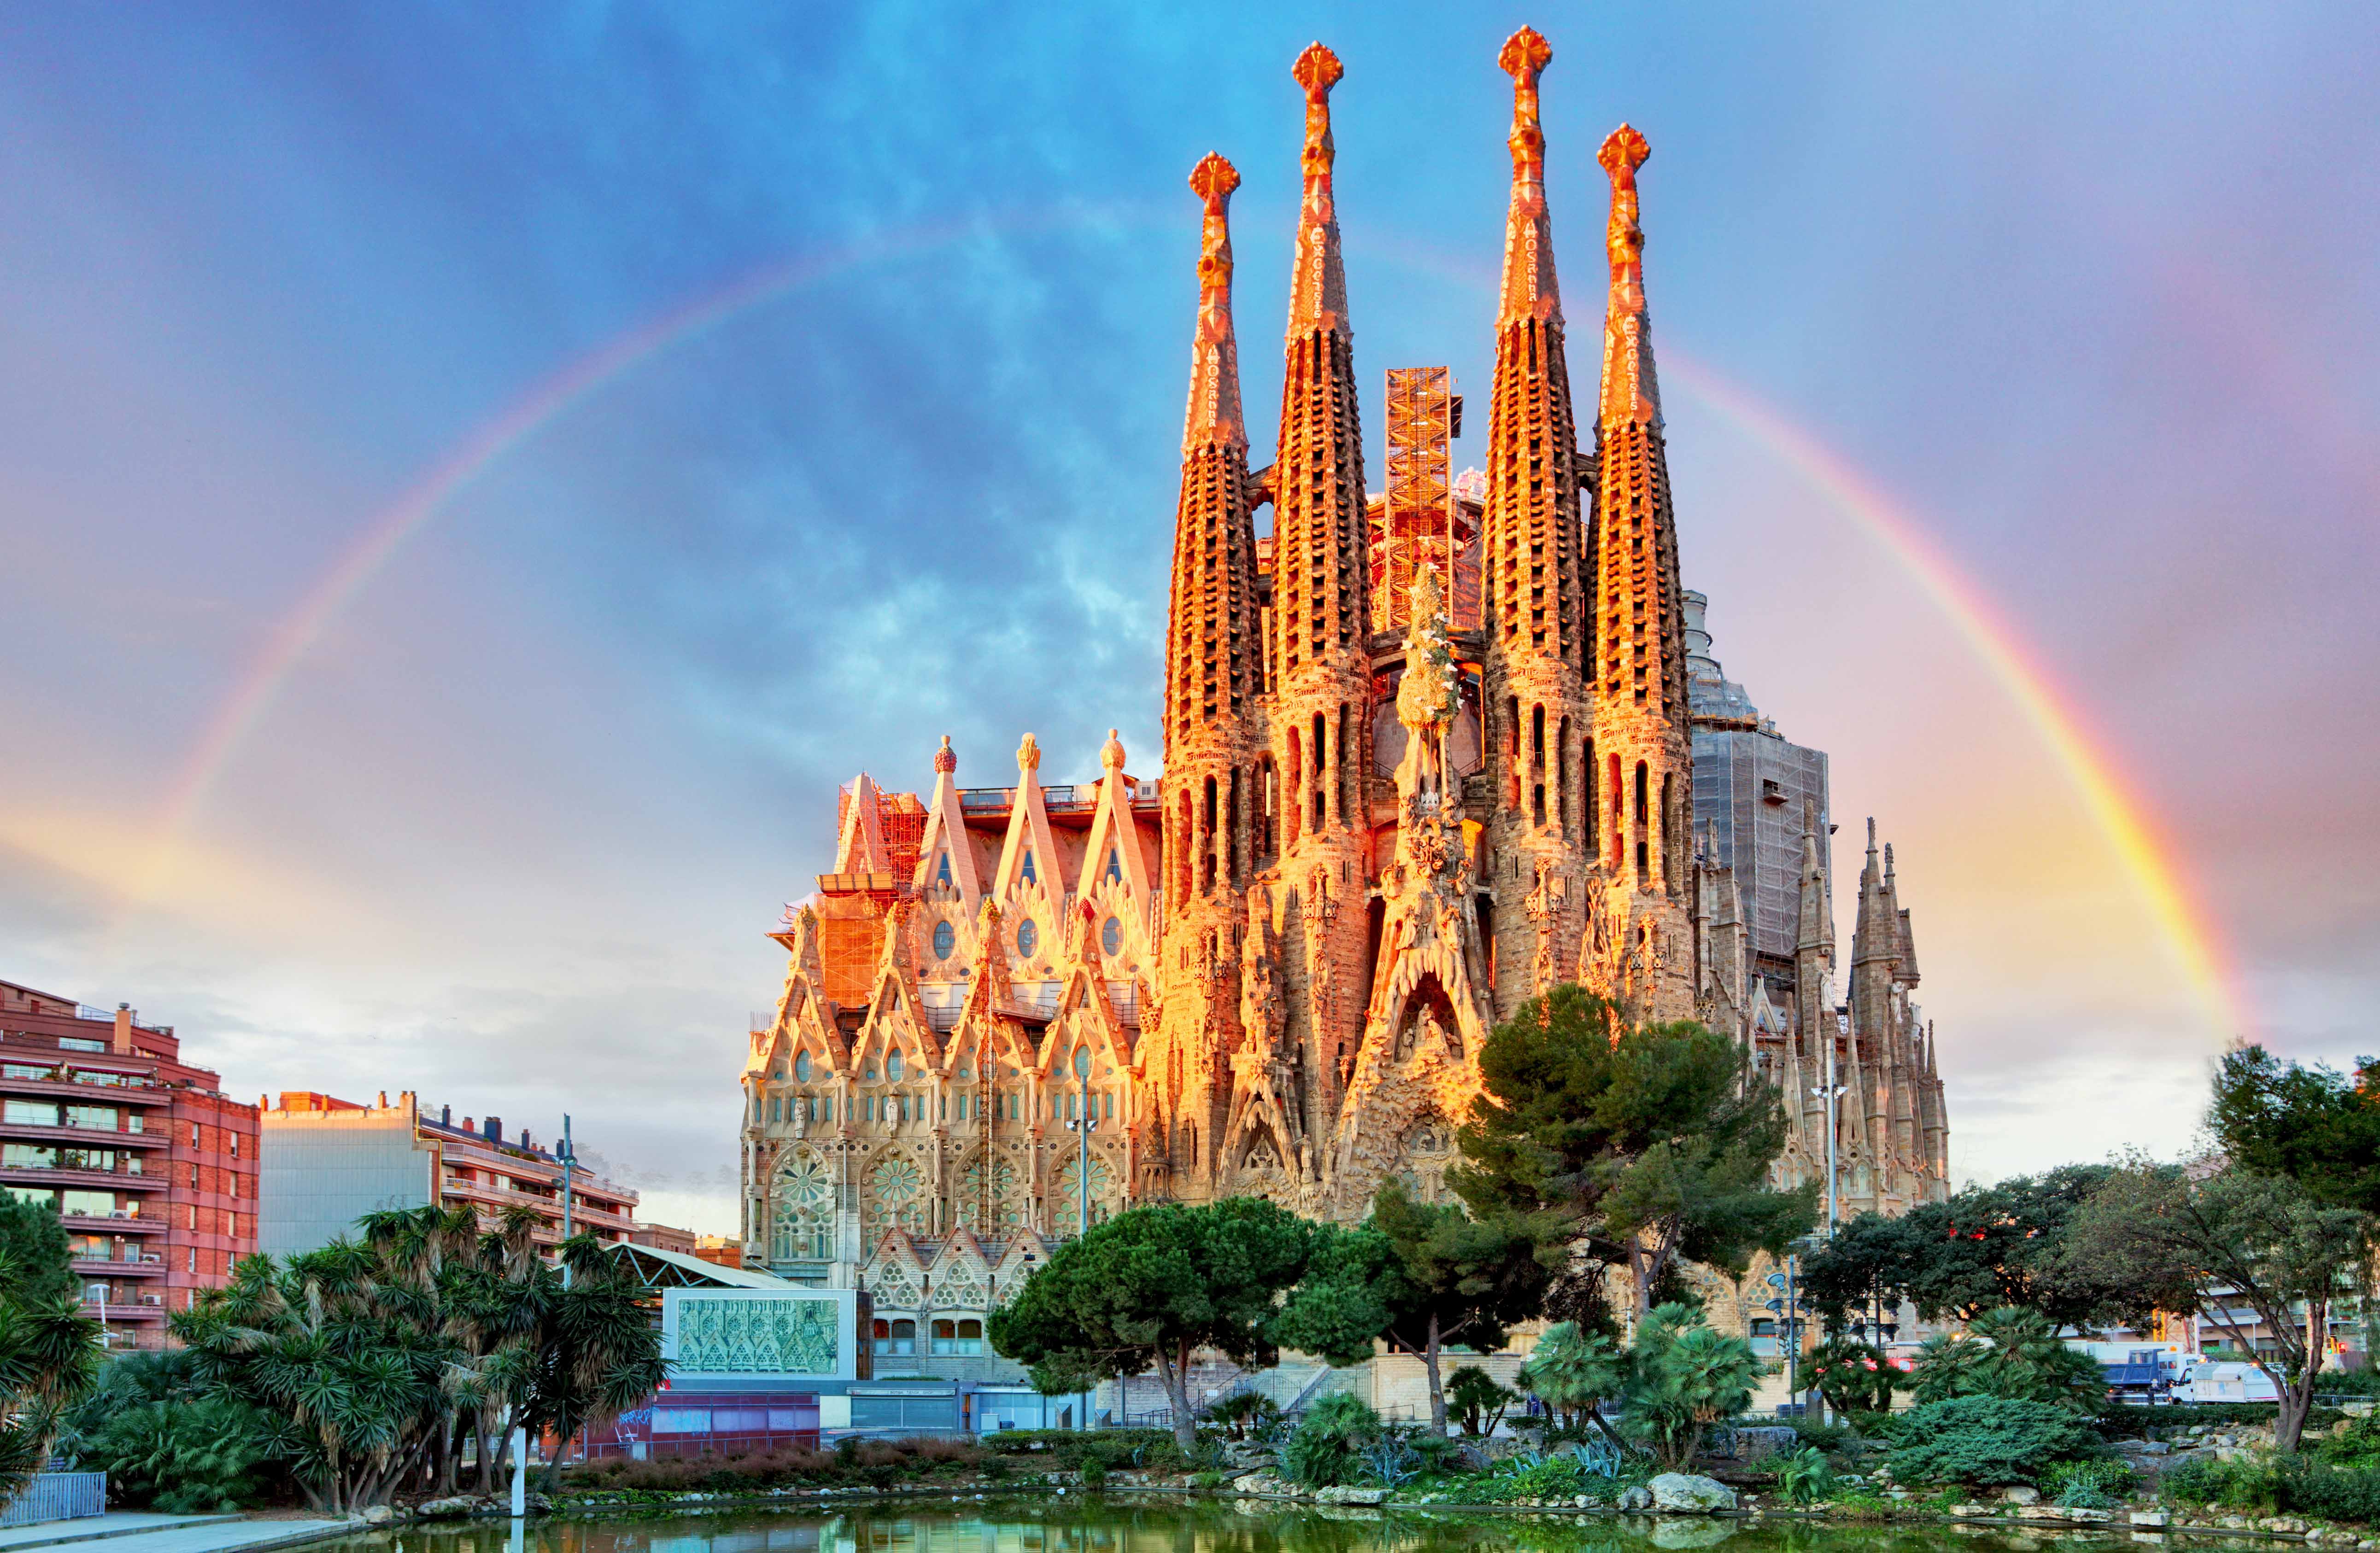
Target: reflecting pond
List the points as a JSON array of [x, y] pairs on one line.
[[1125, 1523]]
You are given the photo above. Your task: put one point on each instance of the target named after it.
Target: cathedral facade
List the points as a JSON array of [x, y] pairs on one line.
[[1415, 771]]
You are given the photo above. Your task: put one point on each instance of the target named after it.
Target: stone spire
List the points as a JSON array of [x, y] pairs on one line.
[[1317, 289], [1629, 391], [1876, 941], [1637, 668], [1529, 287], [1214, 418], [1532, 600], [1320, 662], [1213, 680], [1814, 941]]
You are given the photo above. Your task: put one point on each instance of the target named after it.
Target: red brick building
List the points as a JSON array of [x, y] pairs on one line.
[[152, 1168]]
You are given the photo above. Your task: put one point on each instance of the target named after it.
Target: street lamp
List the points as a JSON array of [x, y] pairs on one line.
[[1832, 1094], [1082, 1173]]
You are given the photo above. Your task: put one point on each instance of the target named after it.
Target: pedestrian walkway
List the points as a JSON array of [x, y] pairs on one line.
[[140, 1532]]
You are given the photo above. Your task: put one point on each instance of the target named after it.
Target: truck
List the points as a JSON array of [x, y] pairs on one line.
[[2137, 1371], [2225, 1381]]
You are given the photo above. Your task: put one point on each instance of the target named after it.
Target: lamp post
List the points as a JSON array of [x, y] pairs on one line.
[[1082, 1175], [569, 1167], [1832, 1094]]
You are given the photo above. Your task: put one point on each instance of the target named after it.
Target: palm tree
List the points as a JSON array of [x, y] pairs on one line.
[[49, 1356]]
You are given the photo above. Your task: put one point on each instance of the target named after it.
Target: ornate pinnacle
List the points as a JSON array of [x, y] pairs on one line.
[[1629, 391], [1529, 287], [946, 760], [1318, 298], [1111, 752], [1029, 754], [1214, 416]]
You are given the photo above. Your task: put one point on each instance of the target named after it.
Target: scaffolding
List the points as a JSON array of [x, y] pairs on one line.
[[1418, 528]]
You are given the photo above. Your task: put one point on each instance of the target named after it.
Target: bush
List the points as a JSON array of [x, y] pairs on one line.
[[1986, 1441], [1804, 1478], [185, 1456], [2100, 1483], [2333, 1493], [1093, 1474], [1534, 1474], [1327, 1448], [1686, 1377], [1477, 1400], [2243, 1483], [2355, 1445], [2022, 1359], [1246, 1413]]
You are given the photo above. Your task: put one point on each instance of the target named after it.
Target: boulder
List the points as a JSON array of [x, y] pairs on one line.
[[1635, 1498], [1680, 1493], [2021, 1495], [2143, 1448], [439, 1510], [1347, 1494], [2156, 1520], [378, 1515]]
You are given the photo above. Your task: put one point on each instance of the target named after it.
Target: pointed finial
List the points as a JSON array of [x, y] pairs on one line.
[[1214, 418], [1318, 297], [946, 760], [1029, 754], [1871, 838], [1630, 391], [1529, 287], [1888, 863], [1111, 752]]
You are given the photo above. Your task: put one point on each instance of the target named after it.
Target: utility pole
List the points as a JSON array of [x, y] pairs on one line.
[[569, 1167]]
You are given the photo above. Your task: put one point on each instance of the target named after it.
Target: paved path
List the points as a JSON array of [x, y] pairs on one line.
[[140, 1532]]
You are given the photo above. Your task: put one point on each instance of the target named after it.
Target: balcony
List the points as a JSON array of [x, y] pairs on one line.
[[74, 1137], [77, 1175], [127, 1266], [123, 1221], [147, 1307], [81, 1090]]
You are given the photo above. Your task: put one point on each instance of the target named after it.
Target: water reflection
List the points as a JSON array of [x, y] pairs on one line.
[[1121, 1524]]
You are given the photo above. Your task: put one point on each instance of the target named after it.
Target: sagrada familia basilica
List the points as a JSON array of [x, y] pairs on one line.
[[1427, 753]]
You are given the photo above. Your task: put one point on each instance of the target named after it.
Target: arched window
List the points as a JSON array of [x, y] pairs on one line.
[[802, 1066], [946, 938], [893, 1067], [1115, 869], [942, 877], [1026, 873]]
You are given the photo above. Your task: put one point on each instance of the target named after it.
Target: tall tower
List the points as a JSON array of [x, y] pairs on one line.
[[1531, 601], [1641, 728], [1212, 729], [1320, 712]]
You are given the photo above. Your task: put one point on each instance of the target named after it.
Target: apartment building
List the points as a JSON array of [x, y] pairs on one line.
[[152, 1168], [326, 1162]]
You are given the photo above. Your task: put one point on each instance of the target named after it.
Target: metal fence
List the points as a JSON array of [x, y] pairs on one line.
[[57, 1496]]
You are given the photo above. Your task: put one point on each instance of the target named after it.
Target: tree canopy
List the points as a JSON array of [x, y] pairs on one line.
[[2239, 1250], [34, 1247], [1422, 1275], [49, 1354], [1151, 1286], [1650, 1143], [1981, 1249], [2304, 1121]]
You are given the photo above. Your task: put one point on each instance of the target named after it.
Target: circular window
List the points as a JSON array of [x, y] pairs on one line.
[[893, 1068], [802, 1066], [1028, 936], [1112, 936], [945, 939]]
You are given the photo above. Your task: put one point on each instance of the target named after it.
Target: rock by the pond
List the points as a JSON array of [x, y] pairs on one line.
[[378, 1515], [2143, 1448], [1679, 1493], [2152, 1519], [1344, 1493], [2021, 1495], [1635, 1498], [435, 1510], [1260, 1482]]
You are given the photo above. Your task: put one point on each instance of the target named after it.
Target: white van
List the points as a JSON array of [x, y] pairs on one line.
[[2226, 1380]]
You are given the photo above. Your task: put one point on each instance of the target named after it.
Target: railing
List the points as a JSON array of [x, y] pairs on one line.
[[57, 1496]]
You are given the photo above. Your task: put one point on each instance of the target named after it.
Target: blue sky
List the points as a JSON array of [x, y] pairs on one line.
[[2089, 292]]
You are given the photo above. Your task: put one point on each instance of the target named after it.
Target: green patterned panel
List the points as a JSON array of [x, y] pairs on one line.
[[787, 1335]]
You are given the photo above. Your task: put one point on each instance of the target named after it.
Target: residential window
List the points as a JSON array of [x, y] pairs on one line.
[[91, 1205], [29, 1113], [233, 1138], [28, 1156], [194, 1258], [194, 1134], [76, 1043], [95, 1118], [26, 1070], [194, 1178], [40, 1196], [87, 1159]]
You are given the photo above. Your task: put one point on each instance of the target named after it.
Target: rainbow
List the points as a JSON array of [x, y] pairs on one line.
[[2121, 816], [261, 684]]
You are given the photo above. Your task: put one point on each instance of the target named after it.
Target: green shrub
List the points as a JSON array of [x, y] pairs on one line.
[[2332, 1493], [1536, 1475], [186, 1456], [996, 1471], [1986, 1441], [1686, 1377], [2355, 1444], [1825, 1436], [1477, 1400], [1327, 1448], [1804, 1478], [2022, 1359], [1094, 1472], [2244, 1484], [1246, 1413], [2096, 1483]]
